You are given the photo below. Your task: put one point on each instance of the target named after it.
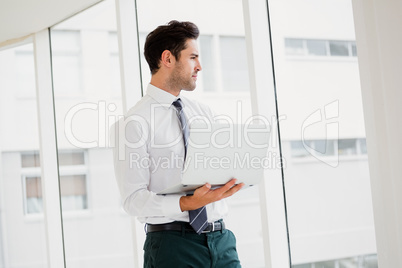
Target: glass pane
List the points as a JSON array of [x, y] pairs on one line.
[[22, 226], [73, 193], [347, 147], [294, 46], [30, 160], [324, 147], [298, 148], [33, 189], [316, 47], [327, 181], [363, 146], [223, 86], [325, 264], [339, 48], [302, 266], [87, 101], [354, 49], [71, 158]]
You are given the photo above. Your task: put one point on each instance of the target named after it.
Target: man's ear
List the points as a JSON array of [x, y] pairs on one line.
[[167, 58]]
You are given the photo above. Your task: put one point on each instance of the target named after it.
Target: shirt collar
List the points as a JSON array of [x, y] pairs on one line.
[[161, 96]]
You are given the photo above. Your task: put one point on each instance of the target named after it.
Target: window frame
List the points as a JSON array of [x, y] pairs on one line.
[[64, 170], [305, 53]]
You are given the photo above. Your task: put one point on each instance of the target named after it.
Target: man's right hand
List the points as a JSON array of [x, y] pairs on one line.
[[205, 195]]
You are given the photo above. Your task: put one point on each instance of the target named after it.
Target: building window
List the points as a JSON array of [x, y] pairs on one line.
[[362, 146], [298, 150], [294, 46], [317, 47], [33, 191], [345, 147], [73, 181], [354, 49], [324, 147], [339, 48]]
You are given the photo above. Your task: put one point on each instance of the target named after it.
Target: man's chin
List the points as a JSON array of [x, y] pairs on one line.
[[189, 89]]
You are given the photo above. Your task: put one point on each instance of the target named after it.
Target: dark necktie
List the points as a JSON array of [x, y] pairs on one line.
[[198, 217]]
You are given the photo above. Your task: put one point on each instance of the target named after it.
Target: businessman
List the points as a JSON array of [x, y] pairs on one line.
[[182, 230]]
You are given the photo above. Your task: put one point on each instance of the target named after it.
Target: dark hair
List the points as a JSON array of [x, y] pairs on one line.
[[172, 37]]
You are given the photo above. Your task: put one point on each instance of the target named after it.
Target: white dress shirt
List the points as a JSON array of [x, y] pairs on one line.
[[148, 157]]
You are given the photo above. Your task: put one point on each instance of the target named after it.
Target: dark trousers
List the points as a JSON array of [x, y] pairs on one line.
[[176, 249]]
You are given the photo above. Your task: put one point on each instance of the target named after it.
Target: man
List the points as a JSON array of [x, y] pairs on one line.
[[182, 230]]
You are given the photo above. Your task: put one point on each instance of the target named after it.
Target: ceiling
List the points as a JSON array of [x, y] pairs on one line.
[[19, 18]]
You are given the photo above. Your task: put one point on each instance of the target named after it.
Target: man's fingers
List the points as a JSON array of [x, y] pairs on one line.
[[205, 195], [233, 190], [226, 187], [204, 189]]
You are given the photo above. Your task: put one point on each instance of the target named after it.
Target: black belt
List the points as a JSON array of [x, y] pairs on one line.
[[184, 226]]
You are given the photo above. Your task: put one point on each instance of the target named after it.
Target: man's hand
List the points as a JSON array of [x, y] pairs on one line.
[[204, 195]]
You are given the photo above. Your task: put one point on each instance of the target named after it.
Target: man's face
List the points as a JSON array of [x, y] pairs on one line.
[[184, 74]]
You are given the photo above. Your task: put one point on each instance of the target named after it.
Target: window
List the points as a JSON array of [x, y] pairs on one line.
[[362, 146], [339, 48], [298, 149], [328, 197], [345, 147], [354, 49], [312, 147], [223, 86], [325, 147], [89, 193], [34, 201], [73, 180], [317, 47], [73, 192], [22, 240], [294, 46]]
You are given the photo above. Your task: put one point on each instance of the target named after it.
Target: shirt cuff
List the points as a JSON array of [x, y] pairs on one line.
[[171, 205]]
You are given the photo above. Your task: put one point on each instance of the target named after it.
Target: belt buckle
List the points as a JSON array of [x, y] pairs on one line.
[[209, 231]]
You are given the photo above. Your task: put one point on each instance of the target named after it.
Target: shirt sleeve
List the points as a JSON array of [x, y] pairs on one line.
[[129, 138]]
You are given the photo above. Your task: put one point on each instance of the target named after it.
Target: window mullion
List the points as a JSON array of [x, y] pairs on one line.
[[131, 83], [263, 102], [48, 150]]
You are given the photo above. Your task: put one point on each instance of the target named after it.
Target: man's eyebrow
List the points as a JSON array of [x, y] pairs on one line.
[[194, 54]]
